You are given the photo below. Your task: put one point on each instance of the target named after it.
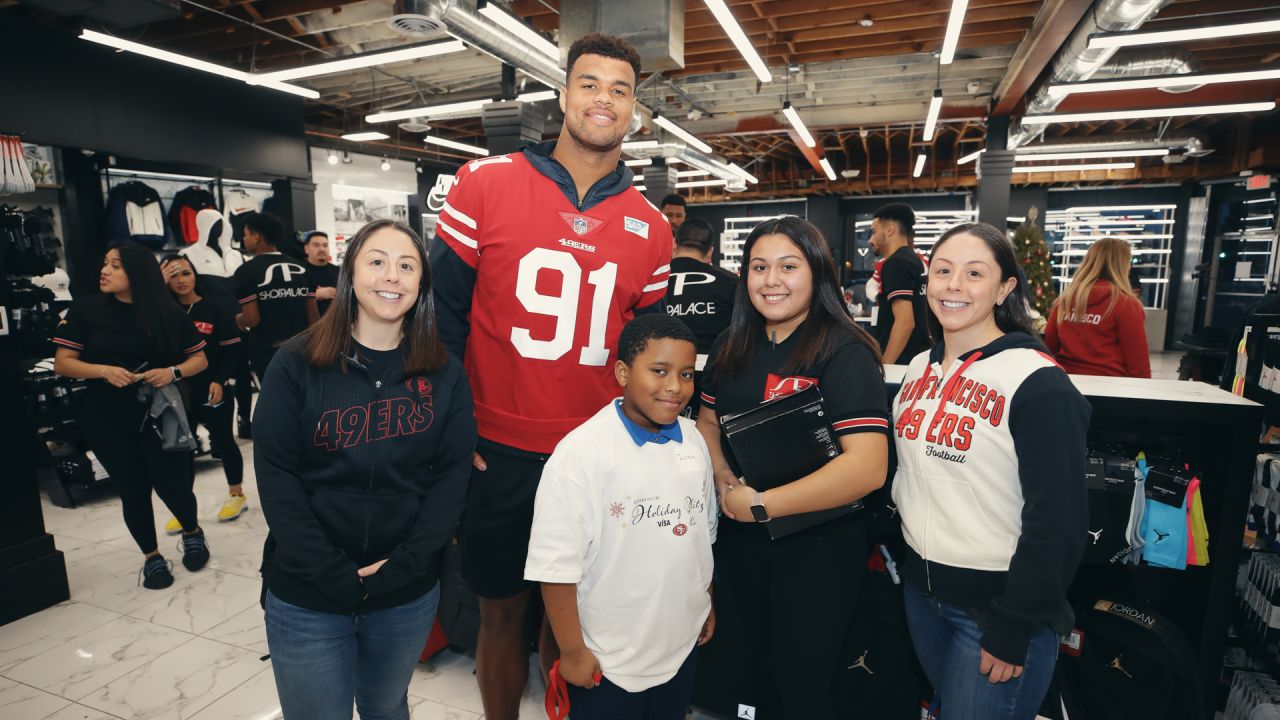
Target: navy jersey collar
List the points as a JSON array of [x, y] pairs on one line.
[[670, 431]]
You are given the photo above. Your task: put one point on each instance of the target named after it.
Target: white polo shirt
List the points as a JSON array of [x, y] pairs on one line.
[[632, 526]]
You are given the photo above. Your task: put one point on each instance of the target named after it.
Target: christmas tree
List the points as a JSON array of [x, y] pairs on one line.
[[1028, 241]]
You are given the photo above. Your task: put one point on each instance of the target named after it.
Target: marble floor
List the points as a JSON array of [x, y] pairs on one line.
[[197, 650]]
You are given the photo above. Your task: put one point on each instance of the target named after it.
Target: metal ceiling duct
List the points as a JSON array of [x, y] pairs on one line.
[[1147, 62], [1190, 145], [460, 19], [1076, 62]]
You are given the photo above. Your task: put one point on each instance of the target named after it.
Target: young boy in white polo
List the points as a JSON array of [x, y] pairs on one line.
[[622, 531]]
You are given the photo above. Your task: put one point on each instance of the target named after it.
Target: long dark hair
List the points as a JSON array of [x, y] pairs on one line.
[[329, 340], [826, 326], [1011, 315], [159, 318]]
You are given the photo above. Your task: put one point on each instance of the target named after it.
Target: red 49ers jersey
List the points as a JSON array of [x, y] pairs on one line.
[[554, 286]]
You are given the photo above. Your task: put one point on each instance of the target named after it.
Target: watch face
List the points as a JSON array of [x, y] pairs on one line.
[[758, 512]]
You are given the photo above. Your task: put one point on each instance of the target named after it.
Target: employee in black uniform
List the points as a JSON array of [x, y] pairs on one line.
[[133, 333], [900, 326], [323, 272], [699, 293], [790, 331], [276, 294], [673, 208], [211, 390]]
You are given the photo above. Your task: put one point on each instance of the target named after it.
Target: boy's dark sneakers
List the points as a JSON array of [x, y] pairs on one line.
[[156, 573], [195, 551], [245, 430]]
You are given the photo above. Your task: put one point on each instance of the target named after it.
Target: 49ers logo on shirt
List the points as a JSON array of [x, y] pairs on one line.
[[378, 420], [777, 386], [204, 328]]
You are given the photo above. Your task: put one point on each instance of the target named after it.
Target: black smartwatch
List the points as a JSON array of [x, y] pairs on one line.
[[177, 374], [757, 508]]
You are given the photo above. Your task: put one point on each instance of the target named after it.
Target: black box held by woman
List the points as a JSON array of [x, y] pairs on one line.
[[780, 441]]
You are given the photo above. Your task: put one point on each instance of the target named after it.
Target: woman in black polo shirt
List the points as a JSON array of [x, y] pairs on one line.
[[210, 396], [133, 333], [790, 331]]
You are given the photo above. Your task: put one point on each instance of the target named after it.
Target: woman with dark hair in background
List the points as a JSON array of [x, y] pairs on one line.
[[210, 395], [990, 437], [134, 332], [790, 331], [1098, 326], [363, 439]]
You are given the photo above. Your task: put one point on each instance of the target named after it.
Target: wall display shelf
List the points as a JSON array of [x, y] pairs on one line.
[[736, 230], [1147, 228]]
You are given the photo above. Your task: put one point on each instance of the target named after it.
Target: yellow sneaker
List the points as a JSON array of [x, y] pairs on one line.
[[173, 527], [232, 508]]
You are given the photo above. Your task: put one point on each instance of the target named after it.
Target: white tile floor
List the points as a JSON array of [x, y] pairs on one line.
[[193, 651]]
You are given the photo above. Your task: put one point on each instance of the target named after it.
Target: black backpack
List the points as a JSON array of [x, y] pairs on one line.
[[1125, 661], [879, 677]]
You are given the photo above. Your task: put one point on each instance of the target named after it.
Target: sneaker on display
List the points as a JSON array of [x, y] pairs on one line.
[[233, 508], [173, 527], [157, 573], [195, 551]]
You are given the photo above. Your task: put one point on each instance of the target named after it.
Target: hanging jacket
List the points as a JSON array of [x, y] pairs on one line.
[[168, 415], [237, 205], [135, 214], [182, 213], [990, 486]]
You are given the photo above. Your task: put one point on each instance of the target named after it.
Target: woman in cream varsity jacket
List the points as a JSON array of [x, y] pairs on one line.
[[990, 436]]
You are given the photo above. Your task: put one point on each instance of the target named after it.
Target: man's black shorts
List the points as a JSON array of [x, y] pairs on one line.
[[494, 533]]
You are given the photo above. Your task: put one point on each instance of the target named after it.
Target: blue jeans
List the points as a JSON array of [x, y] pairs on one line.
[[323, 661], [946, 641]]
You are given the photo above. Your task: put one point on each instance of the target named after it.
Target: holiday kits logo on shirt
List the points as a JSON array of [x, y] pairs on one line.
[[777, 386], [204, 328], [677, 516]]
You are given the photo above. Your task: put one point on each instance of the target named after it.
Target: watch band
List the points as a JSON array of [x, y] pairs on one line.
[[758, 511]]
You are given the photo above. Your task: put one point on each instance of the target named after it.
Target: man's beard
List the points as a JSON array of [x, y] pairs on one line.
[[587, 143]]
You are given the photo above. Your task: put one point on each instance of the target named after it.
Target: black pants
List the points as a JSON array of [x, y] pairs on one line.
[[607, 701], [136, 463], [218, 421], [244, 393], [797, 596]]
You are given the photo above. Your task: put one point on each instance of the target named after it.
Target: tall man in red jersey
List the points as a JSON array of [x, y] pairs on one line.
[[540, 258]]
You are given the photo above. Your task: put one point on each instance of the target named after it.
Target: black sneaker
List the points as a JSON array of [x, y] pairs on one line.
[[245, 431], [156, 573], [195, 551]]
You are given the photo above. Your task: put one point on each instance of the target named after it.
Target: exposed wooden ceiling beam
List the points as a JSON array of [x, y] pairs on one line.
[[1049, 31]]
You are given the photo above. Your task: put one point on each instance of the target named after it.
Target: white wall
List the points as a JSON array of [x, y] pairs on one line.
[[362, 173]]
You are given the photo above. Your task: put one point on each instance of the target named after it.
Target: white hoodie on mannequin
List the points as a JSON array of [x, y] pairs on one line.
[[212, 253]]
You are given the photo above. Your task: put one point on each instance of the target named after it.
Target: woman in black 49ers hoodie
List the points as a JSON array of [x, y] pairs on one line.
[[990, 435], [363, 439]]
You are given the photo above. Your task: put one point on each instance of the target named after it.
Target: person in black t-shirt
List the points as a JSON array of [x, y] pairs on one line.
[[211, 390], [323, 272], [276, 294], [790, 331], [900, 325], [699, 293], [134, 333]]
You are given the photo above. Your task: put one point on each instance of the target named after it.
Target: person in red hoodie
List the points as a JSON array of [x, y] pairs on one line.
[[1097, 326]]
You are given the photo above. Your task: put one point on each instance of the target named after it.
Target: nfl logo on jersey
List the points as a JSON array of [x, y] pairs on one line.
[[580, 225]]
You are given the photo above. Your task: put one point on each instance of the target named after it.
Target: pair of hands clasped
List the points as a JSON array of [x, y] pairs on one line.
[[121, 378]]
